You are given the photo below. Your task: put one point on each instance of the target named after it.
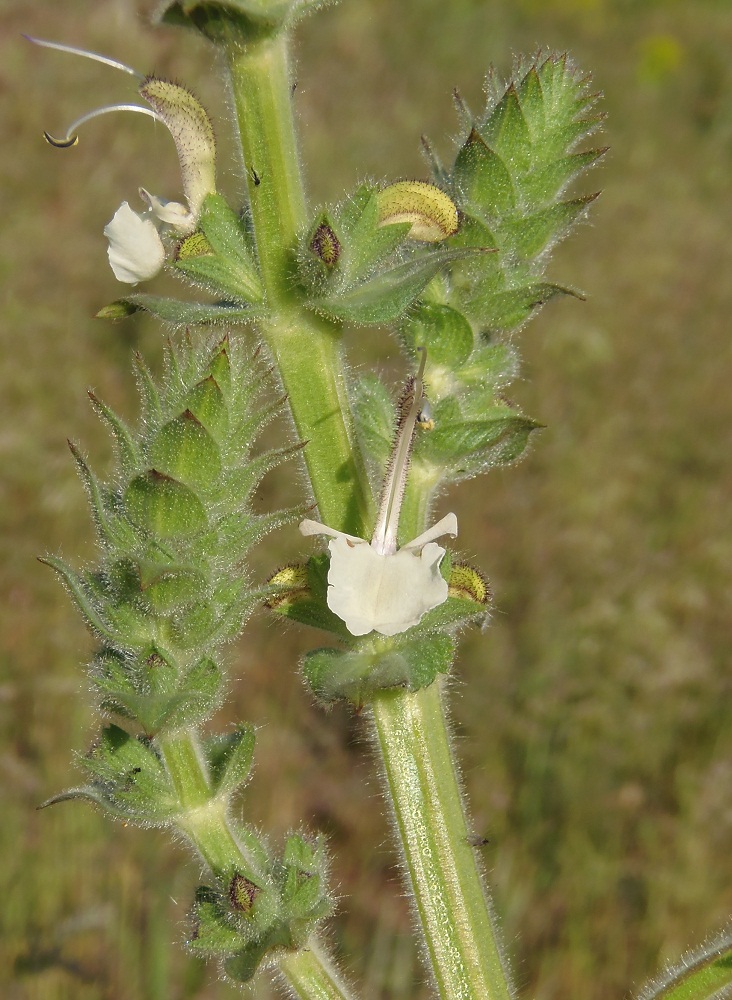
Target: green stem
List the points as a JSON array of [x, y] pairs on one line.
[[306, 347], [309, 973], [203, 818], [261, 84], [307, 351], [205, 822], [424, 788]]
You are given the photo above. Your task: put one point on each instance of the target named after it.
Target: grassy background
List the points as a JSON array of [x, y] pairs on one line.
[[595, 738]]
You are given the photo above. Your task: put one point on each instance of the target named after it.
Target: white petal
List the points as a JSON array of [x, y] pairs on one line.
[[446, 526], [308, 527], [383, 593], [172, 212], [136, 252]]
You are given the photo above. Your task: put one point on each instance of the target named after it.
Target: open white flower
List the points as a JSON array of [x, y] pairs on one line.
[[374, 586], [136, 250], [384, 592]]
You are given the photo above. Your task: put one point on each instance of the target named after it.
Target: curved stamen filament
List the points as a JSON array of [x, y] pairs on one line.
[[70, 139], [86, 54], [387, 523]]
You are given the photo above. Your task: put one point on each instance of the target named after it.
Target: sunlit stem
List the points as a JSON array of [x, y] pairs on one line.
[[59, 46], [71, 138], [387, 523]]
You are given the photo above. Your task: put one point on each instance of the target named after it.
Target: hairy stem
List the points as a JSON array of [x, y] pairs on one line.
[[307, 348], [310, 974], [205, 821], [423, 785]]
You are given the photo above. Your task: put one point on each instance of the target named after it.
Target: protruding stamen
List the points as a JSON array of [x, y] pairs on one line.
[[71, 139], [387, 523], [86, 54]]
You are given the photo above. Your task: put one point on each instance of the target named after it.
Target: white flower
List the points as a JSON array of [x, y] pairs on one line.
[[136, 252], [372, 591], [375, 587]]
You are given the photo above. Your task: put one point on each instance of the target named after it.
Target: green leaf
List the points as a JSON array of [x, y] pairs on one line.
[[528, 235], [543, 185], [180, 313], [364, 243], [705, 974], [84, 601], [507, 132], [207, 403], [386, 296], [375, 418], [112, 530], [131, 777], [467, 447], [503, 311], [226, 263], [163, 505], [214, 933], [409, 660], [184, 450], [153, 692], [481, 180], [229, 757], [443, 331], [127, 449], [227, 234]]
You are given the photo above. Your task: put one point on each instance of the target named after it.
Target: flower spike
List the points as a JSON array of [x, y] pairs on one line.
[[376, 587]]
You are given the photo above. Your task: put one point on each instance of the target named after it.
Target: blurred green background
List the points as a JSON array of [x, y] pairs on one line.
[[593, 717]]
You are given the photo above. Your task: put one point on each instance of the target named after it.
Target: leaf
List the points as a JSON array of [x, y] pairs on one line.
[[386, 296], [229, 757], [213, 932], [443, 331], [529, 235], [82, 598], [130, 777], [180, 313], [226, 263], [705, 974], [504, 311], [364, 242], [410, 660], [481, 180], [507, 132], [375, 418]]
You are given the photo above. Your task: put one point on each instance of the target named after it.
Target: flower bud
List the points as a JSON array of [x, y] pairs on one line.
[[431, 212]]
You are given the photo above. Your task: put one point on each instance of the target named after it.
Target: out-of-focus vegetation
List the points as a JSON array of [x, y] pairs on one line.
[[594, 715]]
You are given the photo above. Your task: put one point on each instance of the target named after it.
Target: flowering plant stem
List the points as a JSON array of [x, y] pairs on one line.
[[204, 821], [411, 728], [306, 348], [420, 774]]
